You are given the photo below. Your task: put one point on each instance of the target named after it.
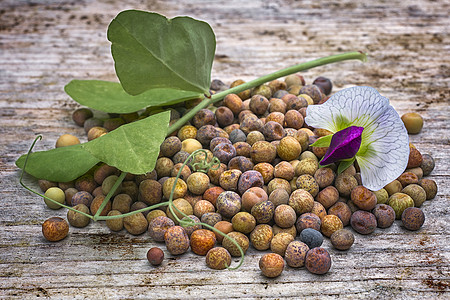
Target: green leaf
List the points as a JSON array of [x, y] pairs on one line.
[[110, 97], [133, 147], [59, 164], [151, 51], [344, 164], [323, 141]]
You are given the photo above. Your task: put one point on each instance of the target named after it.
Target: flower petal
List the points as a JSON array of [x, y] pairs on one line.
[[356, 106], [344, 145], [384, 150]]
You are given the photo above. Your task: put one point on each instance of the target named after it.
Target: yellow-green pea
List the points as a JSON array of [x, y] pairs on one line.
[[67, 140], [56, 194], [413, 122], [190, 145]]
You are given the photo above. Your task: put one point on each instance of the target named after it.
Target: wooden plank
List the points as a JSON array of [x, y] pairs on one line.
[[45, 45]]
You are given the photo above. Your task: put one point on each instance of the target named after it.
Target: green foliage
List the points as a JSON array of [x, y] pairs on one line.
[[324, 141], [344, 164], [133, 147], [151, 51], [59, 164], [110, 97]]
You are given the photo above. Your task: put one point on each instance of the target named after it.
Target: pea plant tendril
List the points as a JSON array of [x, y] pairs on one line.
[[200, 166]]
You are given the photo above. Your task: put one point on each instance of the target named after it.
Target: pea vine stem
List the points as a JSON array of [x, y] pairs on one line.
[[261, 80]]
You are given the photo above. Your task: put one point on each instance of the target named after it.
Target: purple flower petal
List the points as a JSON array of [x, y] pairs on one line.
[[344, 145]]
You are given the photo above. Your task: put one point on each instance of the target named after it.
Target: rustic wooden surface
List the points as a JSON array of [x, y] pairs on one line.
[[45, 44]]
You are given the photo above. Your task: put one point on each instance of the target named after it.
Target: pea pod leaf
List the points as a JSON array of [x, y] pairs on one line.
[[59, 164], [323, 141], [344, 164], [133, 147], [110, 97], [151, 51]]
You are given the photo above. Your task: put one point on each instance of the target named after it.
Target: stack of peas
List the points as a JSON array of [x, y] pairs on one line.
[[268, 192]]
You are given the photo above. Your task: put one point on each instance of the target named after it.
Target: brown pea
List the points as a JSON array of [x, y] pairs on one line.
[[328, 196], [201, 241], [135, 224], [76, 219], [363, 198], [55, 229], [408, 178], [218, 258], [271, 265], [330, 224]]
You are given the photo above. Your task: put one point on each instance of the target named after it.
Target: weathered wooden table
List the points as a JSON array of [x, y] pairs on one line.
[[45, 44]]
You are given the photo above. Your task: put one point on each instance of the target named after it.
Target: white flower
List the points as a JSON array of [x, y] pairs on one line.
[[384, 151]]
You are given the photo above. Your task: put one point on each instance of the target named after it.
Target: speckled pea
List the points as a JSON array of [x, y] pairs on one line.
[[229, 179], [158, 227], [243, 222], [263, 151], [318, 261], [279, 242], [240, 238], [261, 237], [430, 187], [249, 179], [218, 258], [417, 193], [399, 202], [263, 211], [413, 218], [342, 239], [427, 164], [363, 222], [384, 214], [301, 201], [330, 224], [211, 218], [324, 177], [177, 240], [308, 220], [306, 166], [228, 204], [295, 254]]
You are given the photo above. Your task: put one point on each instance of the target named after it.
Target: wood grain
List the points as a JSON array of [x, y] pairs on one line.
[[45, 44]]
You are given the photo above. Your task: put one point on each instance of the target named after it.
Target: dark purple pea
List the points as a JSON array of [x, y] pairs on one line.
[[224, 152], [384, 214], [82, 197], [211, 218], [217, 140], [324, 84], [263, 212], [241, 163], [413, 218], [224, 116], [206, 133], [311, 237], [250, 179], [318, 261], [363, 222], [203, 117], [237, 135]]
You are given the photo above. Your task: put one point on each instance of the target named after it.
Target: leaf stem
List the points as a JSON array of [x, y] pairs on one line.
[[110, 194], [256, 82]]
